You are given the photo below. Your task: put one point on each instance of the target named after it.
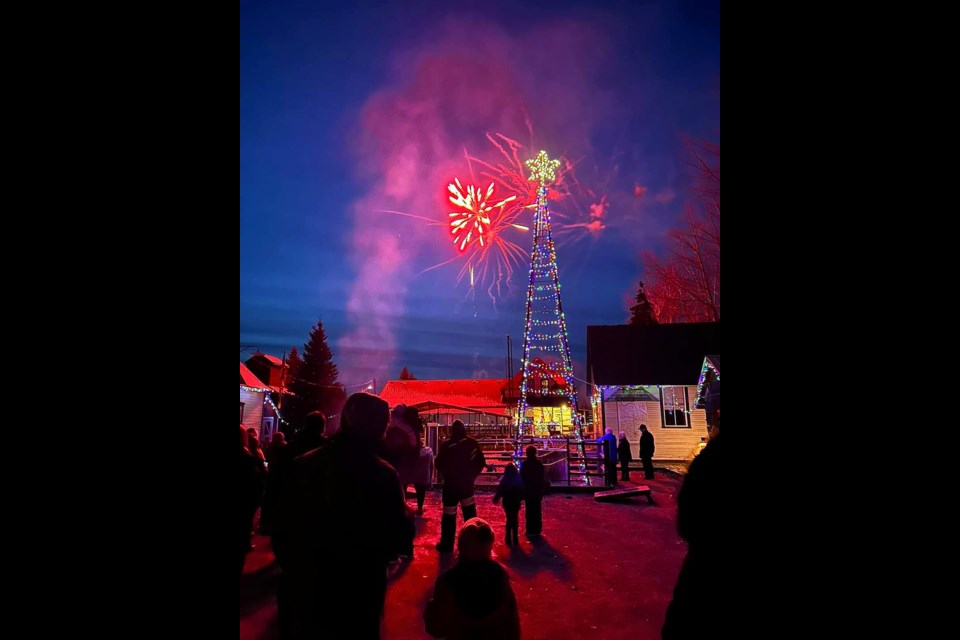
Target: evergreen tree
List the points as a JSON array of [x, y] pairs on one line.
[[642, 312], [293, 366], [406, 375], [288, 402], [314, 384]]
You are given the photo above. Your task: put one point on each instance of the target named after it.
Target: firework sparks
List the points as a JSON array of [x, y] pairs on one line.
[[475, 212], [477, 228], [481, 218], [509, 174]]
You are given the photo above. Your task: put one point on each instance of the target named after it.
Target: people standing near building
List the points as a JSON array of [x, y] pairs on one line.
[[473, 599], [624, 455], [608, 445], [459, 460], [646, 452], [535, 486], [510, 490]]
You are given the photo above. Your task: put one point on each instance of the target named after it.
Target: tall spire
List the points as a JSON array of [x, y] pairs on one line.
[[548, 392]]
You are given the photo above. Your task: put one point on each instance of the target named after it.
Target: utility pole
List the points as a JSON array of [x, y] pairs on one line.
[[283, 366]]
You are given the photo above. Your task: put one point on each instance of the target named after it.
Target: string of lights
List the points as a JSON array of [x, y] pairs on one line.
[[539, 377], [266, 399]]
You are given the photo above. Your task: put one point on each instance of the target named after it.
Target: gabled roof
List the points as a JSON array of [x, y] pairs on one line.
[[473, 393], [274, 360], [705, 390], [248, 379], [661, 354], [714, 362]]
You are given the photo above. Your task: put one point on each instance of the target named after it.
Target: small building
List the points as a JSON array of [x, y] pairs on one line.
[[271, 370], [548, 406], [649, 374], [256, 408], [475, 401], [486, 402]]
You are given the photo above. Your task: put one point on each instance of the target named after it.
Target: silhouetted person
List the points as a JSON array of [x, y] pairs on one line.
[[624, 455], [608, 444], [703, 519], [276, 445], [307, 439], [473, 599], [253, 446], [510, 490], [646, 451], [251, 486], [460, 461], [398, 419], [344, 519], [422, 476], [401, 448], [535, 486]]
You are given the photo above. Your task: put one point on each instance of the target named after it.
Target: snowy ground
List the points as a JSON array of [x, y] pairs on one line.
[[600, 570]]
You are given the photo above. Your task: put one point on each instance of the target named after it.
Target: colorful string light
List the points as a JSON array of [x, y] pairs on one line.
[[266, 399], [544, 280]]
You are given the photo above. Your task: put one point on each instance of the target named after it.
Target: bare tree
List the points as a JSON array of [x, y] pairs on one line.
[[684, 284]]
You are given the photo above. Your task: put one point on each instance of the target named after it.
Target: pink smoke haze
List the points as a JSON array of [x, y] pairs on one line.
[[411, 139], [666, 196]]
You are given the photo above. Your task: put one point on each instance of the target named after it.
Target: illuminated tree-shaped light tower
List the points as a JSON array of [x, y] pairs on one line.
[[548, 395]]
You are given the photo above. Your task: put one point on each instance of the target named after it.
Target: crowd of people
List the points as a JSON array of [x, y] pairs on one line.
[[360, 475], [308, 489]]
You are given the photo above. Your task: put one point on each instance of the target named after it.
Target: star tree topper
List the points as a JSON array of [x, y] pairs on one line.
[[542, 168]]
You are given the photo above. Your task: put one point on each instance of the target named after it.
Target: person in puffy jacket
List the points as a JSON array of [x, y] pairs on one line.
[[459, 460]]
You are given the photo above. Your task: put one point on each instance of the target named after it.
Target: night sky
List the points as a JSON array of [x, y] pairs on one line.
[[350, 111]]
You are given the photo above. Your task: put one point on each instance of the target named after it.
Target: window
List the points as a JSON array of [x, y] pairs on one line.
[[674, 402], [544, 384], [241, 412]]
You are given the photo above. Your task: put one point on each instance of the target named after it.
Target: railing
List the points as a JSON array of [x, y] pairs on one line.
[[561, 458]]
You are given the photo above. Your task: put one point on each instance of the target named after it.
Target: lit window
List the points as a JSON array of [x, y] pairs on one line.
[[674, 402]]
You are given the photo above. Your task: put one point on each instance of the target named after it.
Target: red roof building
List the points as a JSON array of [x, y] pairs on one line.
[[483, 401], [254, 414], [247, 379], [268, 368]]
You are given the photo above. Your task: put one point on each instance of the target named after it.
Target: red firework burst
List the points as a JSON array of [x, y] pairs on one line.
[[477, 226], [472, 219]]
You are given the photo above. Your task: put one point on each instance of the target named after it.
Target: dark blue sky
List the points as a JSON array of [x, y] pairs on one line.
[[346, 111]]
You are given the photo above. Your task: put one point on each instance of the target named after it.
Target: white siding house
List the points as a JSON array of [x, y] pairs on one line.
[[648, 374]]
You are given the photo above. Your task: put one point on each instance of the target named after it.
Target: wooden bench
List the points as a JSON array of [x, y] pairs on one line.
[[616, 494]]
